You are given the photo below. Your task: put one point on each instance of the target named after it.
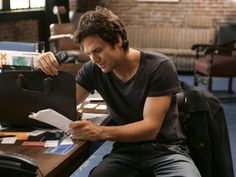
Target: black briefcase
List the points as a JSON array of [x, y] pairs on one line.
[[23, 92]]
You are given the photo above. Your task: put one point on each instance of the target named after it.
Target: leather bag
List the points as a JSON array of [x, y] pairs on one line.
[[24, 92]]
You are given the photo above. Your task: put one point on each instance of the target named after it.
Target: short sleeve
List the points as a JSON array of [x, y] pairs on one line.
[[85, 77], [164, 80]]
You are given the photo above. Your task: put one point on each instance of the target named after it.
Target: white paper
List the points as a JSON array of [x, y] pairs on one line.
[[90, 106], [95, 118], [96, 97], [101, 107], [36, 132], [51, 143], [9, 140], [66, 141], [53, 118], [2, 128]]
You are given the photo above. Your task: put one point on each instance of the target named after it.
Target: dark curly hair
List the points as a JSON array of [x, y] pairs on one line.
[[105, 24]]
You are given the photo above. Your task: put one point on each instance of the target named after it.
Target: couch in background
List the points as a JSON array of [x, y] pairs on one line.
[[175, 42]]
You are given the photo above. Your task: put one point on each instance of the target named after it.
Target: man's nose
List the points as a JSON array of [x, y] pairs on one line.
[[94, 58]]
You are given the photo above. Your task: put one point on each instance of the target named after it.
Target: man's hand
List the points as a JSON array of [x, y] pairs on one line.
[[47, 63], [85, 130]]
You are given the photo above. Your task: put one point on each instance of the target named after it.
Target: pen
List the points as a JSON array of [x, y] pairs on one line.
[[42, 139]]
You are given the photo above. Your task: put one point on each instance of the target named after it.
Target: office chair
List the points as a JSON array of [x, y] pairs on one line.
[[214, 61], [62, 39]]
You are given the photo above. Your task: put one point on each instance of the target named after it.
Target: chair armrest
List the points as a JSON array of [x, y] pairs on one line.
[[201, 47], [60, 36], [220, 50]]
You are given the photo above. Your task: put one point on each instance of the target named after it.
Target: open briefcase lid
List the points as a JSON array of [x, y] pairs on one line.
[[23, 92]]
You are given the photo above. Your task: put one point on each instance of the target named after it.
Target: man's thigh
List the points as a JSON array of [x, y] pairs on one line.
[[176, 165], [114, 165]]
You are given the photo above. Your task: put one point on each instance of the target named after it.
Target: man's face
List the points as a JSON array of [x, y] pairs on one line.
[[102, 53]]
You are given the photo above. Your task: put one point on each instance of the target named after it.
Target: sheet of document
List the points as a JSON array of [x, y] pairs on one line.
[[95, 118], [90, 106], [53, 118], [9, 140], [101, 107]]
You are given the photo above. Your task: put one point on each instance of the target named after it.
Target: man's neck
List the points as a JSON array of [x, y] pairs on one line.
[[129, 65]]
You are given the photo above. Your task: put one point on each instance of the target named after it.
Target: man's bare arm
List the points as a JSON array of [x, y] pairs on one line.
[[155, 109]]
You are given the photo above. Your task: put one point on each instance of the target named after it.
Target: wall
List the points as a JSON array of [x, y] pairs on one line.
[[22, 25], [131, 12], [23, 30], [137, 13]]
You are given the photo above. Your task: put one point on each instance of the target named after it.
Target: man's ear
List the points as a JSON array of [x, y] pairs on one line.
[[119, 41]]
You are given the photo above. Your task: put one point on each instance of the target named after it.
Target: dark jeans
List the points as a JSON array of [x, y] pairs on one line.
[[144, 160]]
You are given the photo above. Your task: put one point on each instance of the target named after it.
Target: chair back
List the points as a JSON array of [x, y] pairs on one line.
[[62, 35], [64, 28]]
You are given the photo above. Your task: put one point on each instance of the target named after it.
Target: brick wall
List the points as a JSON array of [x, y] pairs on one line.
[[137, 13], [23, 30]]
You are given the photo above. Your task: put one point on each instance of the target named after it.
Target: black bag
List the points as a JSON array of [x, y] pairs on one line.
[[23, 92]]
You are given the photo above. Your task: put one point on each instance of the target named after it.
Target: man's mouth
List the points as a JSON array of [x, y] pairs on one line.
[[101, 65]]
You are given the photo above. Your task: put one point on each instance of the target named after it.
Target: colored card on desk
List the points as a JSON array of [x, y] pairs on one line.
[[19, 135], [62, 149], [33, 143], [51, 143], [9, 140]]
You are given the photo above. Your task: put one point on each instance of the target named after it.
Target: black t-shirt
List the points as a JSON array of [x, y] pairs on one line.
[[156, 76]]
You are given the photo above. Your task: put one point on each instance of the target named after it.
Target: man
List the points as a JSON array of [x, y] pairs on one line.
[[139, 89]]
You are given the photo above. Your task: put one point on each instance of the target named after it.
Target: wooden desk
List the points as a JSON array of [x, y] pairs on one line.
[[53, 165]]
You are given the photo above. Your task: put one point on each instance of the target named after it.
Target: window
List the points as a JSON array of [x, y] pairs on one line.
[[0, 4], [16, 4], [21, 4], [37, 3]]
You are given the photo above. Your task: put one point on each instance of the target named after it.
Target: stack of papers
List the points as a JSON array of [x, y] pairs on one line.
[[53, 118], [57, 120]]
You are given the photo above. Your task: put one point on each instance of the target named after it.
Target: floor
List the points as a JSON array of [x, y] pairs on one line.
[[230, 114]]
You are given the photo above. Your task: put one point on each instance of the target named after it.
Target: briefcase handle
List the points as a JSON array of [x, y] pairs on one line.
[[47, 85]]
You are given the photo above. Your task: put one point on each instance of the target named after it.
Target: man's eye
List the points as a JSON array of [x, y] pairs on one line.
[[97, 50]]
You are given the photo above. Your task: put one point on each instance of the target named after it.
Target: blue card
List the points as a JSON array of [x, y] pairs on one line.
[[61, 149]]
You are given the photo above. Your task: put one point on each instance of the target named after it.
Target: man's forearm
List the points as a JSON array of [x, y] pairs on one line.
[[138, 131]]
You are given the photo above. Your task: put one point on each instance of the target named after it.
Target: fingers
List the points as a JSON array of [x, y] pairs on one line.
[[78, 126], [83, 130], [47, 63]]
